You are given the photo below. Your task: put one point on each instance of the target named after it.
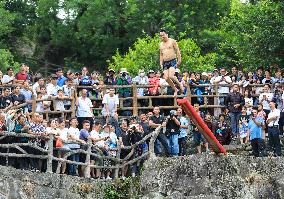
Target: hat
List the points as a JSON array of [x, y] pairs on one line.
[[111, 70], [123, 70], [53, 76], [151, 71], [215, 70], [204, 74], [177, 70], [141, 71]]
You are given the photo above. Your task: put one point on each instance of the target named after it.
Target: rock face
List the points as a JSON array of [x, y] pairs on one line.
[[210, 176]]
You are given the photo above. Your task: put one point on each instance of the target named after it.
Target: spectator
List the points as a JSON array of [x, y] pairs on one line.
[[85, 80], [265, 97], [142, 80], [59, 100], [243, 126], [52, 87], [74, 135], [234, 72], [27, 92], [110, 78], [110, 102], [163, 85], [9, 78], [22, 75], [1, 77], [183, 132], [38, 85], [155, 121], [17, 98], [71, 75], [278, 77], [273, 129], [84, 109], [267, 78], [255, 125], [153, 81], [234, 103], [144, 123], [222, 130], [123, 80], [223, 79], [248, 101], [172, 132], [67, 92], [5, 100], [60, 77], [259, 74]]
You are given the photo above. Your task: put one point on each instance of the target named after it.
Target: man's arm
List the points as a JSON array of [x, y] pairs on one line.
[[178, 52], [153, 125]]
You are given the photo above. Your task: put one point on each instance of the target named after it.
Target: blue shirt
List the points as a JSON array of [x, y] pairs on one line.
[[61, 81], [183, 122], [255, 131], [84, 134]]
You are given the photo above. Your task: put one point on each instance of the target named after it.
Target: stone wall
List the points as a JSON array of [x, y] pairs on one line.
[[210, 176]]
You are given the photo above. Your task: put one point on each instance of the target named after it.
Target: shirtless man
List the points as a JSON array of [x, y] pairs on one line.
[[170, 59]]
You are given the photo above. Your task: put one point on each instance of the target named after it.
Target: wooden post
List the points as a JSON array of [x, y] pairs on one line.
[[116, 171], [50, 154], [87, 169], [33, 104], [73, 93], [135, 100]]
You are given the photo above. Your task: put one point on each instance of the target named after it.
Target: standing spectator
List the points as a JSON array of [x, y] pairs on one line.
[[71, 75], [85, 79], [273, 128], [123, 80], [67, 92], [84, 110], [223, 79], [248, 101], [60, 77], [172, 132], [9, 78], [234, 71], [259, 74], [278, 77], [234, 103], [141, 79], [17, 97], [5, 100], [222, 130], [153, 81], [265, 97], [110, 102], [110, 78], [183, 132], [27, 92], [39, 83], [255, 125], [155, 121], [243, 126], [59, 100], [145, 124], [52, 87], [22, 75], [267, 78]]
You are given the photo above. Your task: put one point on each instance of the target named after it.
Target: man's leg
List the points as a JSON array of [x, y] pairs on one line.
[[276, 141], [234, 123], [164, 141], [172, 76], [169, 81], [254, 146], [174, 145]]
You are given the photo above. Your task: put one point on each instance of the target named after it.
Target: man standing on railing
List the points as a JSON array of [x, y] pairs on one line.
[[234, 103], [170, 59], [155, 121]]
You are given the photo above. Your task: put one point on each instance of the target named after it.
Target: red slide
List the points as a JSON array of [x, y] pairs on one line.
[[206, 132]]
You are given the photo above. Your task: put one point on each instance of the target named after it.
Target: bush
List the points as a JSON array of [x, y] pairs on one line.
[[7, 60]]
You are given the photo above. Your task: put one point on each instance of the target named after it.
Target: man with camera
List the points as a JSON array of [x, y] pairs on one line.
[[172, 132]]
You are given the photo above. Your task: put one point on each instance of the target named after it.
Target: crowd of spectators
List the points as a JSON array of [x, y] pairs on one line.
[[251, 113]]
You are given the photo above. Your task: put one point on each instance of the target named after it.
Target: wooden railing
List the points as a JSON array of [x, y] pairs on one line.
[[91, 150], [135, 99]]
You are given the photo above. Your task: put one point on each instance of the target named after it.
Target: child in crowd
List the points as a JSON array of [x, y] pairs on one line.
[[59, 101], [243, 126]]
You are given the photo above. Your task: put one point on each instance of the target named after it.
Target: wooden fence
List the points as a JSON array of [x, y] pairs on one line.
[[91, 150]]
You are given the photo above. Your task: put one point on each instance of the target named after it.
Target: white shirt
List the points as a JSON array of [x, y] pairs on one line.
[[52, 89], [223, 89], [63, 134], [97, 135], [75, 132], [59, 105], [274, 113], [7, 78], [112, 102], [67, 92], [265, 103], [84, 107]]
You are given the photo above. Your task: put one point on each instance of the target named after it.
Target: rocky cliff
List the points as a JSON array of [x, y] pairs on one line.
[[196, 176]]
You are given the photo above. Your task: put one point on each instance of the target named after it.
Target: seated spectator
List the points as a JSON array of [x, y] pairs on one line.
[[5, 100], [16, 97], [60, 77], [22, 75], [110, 78], [9, 78], [52, 86]]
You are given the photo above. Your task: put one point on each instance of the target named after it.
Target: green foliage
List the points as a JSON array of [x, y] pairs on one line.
[[145, 55], [7, 60]]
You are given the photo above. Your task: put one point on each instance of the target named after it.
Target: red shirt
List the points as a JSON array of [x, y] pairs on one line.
[[154, 81], [21, 76]]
